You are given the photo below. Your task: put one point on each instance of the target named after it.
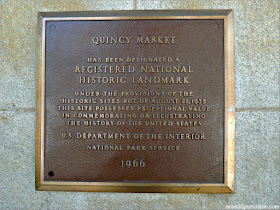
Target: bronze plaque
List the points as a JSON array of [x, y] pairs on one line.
[[135, 101]]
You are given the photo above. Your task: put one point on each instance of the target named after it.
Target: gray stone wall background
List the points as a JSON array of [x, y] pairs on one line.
[[257, 108]]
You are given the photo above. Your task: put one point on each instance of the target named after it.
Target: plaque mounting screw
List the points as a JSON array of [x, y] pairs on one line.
[[216, 26], [51, 173], [52, 27]]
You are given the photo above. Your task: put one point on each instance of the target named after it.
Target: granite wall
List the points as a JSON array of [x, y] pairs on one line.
[[257, 109]]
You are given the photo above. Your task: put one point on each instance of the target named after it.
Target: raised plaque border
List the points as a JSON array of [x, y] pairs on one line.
[[229, 121]]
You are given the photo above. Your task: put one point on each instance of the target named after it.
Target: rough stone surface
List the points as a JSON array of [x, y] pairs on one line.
[[257, 100], [18, 44], [256, 28]]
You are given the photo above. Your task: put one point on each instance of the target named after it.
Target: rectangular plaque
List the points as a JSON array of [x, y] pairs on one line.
[[135, 101]]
